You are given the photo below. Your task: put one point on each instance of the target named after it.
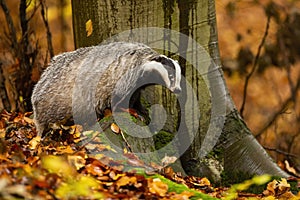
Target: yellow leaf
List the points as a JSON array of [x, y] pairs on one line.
[[59, 165], [34, 142], [89, 28], [156, 186], [272, 186], [283, 185], [260, 180], [125, 180], [114, 127], [77, 161], [65, 149]]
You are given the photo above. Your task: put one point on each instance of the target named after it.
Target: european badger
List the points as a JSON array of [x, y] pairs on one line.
[[53, 96]]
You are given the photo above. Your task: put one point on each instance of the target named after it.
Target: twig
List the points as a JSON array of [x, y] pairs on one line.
[[45, 20], [25, 37], [274, 117], [36, 7], [280, 151], [255, 64], [11, 26], [292, 98], [126, 142]]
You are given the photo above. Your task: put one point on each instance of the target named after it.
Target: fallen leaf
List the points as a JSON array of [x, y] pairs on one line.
[[34, 142], [290, 169], [156, 186], [89, 27], [77, 161], [115, 128], [125, 180], [107, 113], [168, 160]]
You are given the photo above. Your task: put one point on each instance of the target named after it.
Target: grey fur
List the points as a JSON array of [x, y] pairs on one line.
[[111, 70]]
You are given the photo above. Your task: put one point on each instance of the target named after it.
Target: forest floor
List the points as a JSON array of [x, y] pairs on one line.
[[62, 167]]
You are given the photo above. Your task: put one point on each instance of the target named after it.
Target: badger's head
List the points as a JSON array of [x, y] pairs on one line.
[[168, 70]]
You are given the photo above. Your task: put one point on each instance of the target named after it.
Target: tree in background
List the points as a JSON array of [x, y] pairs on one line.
[[237, 154], [21, 55], [27, 46], [262, 53]]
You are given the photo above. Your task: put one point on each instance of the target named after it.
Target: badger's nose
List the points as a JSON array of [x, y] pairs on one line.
[[177, 90]]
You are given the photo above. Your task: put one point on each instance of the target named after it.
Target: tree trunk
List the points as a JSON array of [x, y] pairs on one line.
[[221, 143]]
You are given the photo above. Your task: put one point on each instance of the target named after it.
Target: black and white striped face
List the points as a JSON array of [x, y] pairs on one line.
[[169, 71]]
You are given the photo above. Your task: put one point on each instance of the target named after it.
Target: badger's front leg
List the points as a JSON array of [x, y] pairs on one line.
[[132, 105]]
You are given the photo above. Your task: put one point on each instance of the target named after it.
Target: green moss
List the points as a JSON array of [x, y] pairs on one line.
[[294, 186], [255, 184], [162, 138], [179, 188], [229, 178]]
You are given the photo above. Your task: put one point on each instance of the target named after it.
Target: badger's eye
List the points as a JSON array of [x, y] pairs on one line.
[[171, 76]]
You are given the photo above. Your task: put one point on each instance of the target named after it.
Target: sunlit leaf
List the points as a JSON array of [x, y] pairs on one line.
[[115, 128], [81, 187], [34, 142], [168, 160], [125, 180], [283, 185], [260, 180], [290, 169], [77, 161], [156, 186], [89, 27], [56, 164]]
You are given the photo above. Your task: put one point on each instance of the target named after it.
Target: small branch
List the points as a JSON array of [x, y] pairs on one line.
[[274, 117], [11, 26], [126, 142], [25, 37], [292, 98], [45, 20], [255, 64], [280, 152], [36, 7]]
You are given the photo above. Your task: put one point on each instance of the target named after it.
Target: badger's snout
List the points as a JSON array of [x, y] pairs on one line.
[[176, 90]]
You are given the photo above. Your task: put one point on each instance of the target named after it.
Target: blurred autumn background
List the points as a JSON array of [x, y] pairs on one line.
[[259, 42]]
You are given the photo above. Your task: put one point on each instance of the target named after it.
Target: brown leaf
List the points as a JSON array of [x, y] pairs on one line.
[[77, 161], [107, 113]]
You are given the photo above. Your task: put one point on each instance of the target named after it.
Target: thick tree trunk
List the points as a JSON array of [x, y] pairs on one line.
[[222, 145]]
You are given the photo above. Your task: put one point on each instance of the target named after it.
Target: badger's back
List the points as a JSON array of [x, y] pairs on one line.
[[53, 94]]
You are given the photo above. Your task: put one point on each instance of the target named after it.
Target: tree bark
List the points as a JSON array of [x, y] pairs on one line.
[[216, 150]]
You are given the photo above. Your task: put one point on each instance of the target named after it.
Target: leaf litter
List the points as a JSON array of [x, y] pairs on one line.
[[61, 166]]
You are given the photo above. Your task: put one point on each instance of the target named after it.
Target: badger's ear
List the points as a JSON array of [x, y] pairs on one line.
[[164, 60], [158, 58]]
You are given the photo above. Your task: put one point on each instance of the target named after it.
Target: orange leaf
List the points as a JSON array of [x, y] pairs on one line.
[[125, 180], [34, 142], [114, 127], [156, 186], [107, 113]]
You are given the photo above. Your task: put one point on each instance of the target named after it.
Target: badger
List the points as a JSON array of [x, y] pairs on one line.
[[113, 71]]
